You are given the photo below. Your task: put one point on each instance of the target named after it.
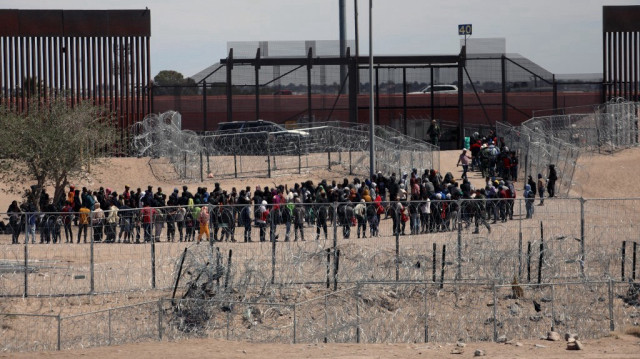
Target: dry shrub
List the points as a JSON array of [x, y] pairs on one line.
[[635, 331]]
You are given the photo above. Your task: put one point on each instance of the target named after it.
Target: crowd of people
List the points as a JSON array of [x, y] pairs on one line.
[[426, 203]]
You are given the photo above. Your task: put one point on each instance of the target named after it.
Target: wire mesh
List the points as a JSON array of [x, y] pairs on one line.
[[566, 239], [177, 154]]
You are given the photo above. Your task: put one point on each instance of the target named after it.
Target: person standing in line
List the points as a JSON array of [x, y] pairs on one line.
[[203, 220], [529, 198], [83, 222], [112, 222], [148, 214], [551, 183], [15, 219], [541, 186]]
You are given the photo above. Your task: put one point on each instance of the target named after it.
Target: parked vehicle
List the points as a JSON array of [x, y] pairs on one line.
[[437, 89], [259, 138]]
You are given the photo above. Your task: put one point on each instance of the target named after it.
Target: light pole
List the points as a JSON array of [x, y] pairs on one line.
[[371, 98]]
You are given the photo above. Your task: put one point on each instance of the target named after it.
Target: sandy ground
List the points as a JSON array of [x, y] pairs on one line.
[[615, 346], [592, 173], [137, 172]]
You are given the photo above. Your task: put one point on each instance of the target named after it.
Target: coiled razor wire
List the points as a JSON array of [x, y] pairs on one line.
[[560, 139], [160, 137]]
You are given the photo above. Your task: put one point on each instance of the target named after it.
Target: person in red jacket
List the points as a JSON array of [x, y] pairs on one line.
[[148, 214]]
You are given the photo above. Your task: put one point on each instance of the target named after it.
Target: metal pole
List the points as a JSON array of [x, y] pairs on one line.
[[520, 241], [109, 340], [397, 255], [426, 314], [582, 254], [228, 273], [633, 269], [328, 268], [299, 155], [371, 98], [459, 250], [612, 325], [26, 257], [59, 332], [343, 37], [355, 21], [528, 261], [433, 268], [295, 322], [273, 254], [335, 273], [444, 254], [358, 313], [624, 252], [335, 246], [268, 155], [160, 319], [91, 266], [204, 106], [326, 319], [153, 262], [495, 313], [553, 308]]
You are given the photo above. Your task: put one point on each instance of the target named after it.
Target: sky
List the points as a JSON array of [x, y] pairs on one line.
[[563, 36]]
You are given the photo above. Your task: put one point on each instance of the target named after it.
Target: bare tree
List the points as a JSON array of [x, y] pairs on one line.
[[51, 142]]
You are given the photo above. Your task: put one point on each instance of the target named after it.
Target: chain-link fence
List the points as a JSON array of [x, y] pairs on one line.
[[271, 150], [560, 139], [470, 240], [365, 312]]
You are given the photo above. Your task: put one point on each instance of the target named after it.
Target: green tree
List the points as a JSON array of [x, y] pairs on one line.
[[49, 143], [170, 82]]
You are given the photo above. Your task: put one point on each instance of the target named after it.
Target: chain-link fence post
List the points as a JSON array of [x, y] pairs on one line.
[[553, 308], [459, 249], [612, 325], [110, 335], [495, 313], [426, 313], [26, 257], [582, 244], [295, 322], [326, 320], [59, 319], [335, 246], [235, 159], [357, 295], [520, 241], [91, 261], [153, 257], [160, 319], [397, 254], [229, 321], [268, 154], [273, 251]]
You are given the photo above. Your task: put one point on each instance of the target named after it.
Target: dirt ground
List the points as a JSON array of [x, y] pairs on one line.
[[115, 173], [614, 346], [592, 173]]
